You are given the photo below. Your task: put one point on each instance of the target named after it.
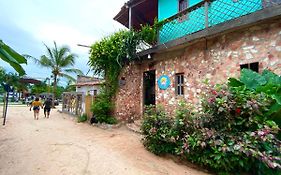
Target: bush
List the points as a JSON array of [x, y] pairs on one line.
[[233, 132], [156, 130], [102, 108], [82, 118]]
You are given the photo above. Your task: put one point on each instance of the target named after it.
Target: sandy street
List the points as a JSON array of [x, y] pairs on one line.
[[61, 146]]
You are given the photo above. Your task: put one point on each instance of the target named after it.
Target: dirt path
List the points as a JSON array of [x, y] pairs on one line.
[[60, 146]]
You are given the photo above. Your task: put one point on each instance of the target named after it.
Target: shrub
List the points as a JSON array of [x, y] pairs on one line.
[[82, 118], [156, 128], [233, 132], [102, 108]]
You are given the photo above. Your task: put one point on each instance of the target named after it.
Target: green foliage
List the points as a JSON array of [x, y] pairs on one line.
[[107, 58], [102, 108], [12, 79], [10, 56], [39, 88], [231, 134], [156, 129], [82, 118], [267, 83], [60, 60]]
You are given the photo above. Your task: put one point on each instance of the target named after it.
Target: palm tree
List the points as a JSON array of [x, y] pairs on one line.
[[59, 60]]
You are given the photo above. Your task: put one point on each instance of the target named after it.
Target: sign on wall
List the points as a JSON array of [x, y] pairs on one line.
[[163, 82]]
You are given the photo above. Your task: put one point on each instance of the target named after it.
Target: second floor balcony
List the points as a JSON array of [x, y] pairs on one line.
[[204, 14]]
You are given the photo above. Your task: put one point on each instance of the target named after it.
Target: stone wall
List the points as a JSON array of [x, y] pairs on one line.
[[128, 98], [215, 59]]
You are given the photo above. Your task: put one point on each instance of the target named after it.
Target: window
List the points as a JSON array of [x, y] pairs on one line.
[[180, 84], [95, 92], [182, 5], [253, 66]]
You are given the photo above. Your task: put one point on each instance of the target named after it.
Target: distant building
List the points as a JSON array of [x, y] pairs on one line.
[[88, 85], [79, 102]]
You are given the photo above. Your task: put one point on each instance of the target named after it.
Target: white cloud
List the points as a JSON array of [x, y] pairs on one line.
[[68, 22]]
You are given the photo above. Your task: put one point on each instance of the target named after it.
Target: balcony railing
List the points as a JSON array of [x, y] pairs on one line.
[[209, 13]]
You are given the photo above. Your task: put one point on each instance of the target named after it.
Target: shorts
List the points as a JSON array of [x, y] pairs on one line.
[[47, 110], [36, 108]]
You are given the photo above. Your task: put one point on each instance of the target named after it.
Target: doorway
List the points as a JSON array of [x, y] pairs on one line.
[[149, 87]]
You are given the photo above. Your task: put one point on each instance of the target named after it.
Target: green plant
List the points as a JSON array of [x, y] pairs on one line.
[[156, 128], [231, 134], [267, 82], [82, 118], [107, 58], [11, 57], [60, 60]]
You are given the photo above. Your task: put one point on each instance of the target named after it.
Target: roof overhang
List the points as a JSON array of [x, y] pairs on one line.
[[143, 12], [29, 80]]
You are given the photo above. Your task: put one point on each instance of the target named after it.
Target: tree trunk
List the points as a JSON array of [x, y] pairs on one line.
[[54, 90]]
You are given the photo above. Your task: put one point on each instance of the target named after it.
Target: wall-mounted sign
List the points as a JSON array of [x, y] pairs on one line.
[[163, 82]]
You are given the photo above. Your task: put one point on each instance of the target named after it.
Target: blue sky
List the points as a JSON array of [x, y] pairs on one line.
[[27, 24]]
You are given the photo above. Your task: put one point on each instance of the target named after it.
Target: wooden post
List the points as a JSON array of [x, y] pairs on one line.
[[206, 5], [76, 104], [6, 108], [88, 105]]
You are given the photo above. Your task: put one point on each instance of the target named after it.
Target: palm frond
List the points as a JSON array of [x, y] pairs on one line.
[[49, 52], [73, 70], [69, 60], [35, 60], [46, 62], [69, 77]]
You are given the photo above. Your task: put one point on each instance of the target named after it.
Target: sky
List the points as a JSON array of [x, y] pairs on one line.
[[27, 24]]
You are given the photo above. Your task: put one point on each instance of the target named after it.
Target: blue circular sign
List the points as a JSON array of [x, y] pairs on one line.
[[163, 82]]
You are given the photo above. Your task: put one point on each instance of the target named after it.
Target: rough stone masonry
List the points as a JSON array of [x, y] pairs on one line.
[[215, 59]]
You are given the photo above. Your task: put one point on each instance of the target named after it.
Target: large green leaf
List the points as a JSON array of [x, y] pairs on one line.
[[271, 77], [233, 82], [273, 109], [252, 79], [19, 58], [11, 57]]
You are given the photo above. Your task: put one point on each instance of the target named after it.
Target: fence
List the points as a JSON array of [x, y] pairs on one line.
[[76, 103], [209, 13], [72, 103]]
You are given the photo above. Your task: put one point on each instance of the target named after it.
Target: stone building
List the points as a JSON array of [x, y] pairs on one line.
[[202, 39]]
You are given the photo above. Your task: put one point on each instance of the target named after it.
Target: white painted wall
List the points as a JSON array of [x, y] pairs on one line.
[[87, 90]]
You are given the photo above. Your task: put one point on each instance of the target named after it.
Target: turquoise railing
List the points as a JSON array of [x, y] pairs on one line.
[[206, 14]]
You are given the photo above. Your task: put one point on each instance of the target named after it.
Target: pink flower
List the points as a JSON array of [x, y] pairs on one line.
[[261, 133], [214, 92], [211, 100]]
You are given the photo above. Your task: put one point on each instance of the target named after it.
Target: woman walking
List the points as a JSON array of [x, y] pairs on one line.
[[36, 104]]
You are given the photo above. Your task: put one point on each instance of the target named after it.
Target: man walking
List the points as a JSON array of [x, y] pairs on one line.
[[47, 107]]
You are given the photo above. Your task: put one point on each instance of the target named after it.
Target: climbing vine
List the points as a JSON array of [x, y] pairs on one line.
[[108, 57]]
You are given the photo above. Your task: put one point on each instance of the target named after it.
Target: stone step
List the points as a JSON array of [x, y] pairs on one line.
[[133, 127]]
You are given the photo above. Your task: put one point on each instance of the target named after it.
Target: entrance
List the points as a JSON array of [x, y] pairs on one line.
[[149, 87]]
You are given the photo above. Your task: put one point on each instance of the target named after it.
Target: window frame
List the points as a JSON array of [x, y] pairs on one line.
[[179, 84], [254, 66]]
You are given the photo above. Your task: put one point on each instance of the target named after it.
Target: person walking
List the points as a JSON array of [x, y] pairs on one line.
[[47, 107], [36, 104]]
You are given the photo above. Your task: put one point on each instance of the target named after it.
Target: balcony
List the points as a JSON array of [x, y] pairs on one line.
[[207, 14]]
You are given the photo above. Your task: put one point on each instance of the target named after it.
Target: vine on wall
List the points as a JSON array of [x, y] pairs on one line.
[[108, 57]]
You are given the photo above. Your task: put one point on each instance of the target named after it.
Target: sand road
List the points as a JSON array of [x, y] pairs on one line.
[[61, 146]]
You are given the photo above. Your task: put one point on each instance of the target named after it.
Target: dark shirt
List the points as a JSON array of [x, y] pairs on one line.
[[48, 104]]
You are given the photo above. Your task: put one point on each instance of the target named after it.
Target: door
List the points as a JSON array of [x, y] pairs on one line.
[[149, 87]]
